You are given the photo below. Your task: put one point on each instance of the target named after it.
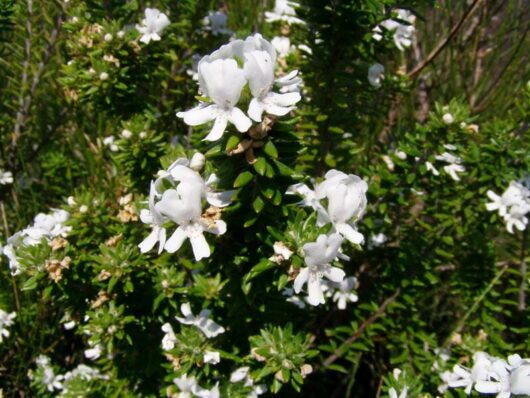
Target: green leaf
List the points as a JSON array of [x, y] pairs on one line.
[[258, 204], [232, 142], [243, 179], [261, 166], [270, 150]]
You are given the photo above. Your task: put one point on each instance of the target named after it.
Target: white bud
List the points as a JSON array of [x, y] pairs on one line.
[[401, 155], [107, 37], [83, 209], [71, 201], [121, 34], [92, 71], [142, 135], [463, 125], [126, 134], [197, 161], [75, 20], [103, 76], [448, 118]]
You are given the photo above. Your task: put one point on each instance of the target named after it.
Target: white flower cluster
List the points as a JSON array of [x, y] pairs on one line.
[[492, 375], [453, 167], [152, 25], [283, 11], [46, 375], [6, 320], [189, 387], [402, 32], [340, 292], [182, 204], [241, 375], [346, 202], [202, 321], [45, 226], [222, 80], [512, 205]]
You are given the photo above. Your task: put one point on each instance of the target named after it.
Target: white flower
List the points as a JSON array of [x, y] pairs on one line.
[[497, 381], [318, 256], [222, 81], [218, 23], [281, 253], [107, 37], [282, 45], [183, 206], [49, 378], [448, 118], [156, 220], [126, 134], [69, 325], [259, 70], [431, 168], [188, 387], [94, 352], [152, 25], [283, 11], [393, 393], [402, 33], [83, 209], [202, 321], [239, 375], [103, 76], [378, 240], [109, 141], [169, 340], [212, 357], [289, 83], [376, 73], [454, 165], [6, 320], [512, 205], [6, 177], [343, 293], [346, 194]]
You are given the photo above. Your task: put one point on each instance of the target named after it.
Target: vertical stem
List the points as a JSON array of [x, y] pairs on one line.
[[6, 231], [523, 269]]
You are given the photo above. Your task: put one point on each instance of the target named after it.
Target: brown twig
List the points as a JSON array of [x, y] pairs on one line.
[[380, 311], [438, 49]]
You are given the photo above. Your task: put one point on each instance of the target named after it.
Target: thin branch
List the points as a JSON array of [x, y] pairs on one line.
[[438, 49], [523, 269], [380, 311], [24, 78]]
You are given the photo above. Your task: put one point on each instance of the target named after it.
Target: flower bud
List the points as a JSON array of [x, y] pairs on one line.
[[126, 134], [103, 76], [197, 161], [107, 37], [448, 118]]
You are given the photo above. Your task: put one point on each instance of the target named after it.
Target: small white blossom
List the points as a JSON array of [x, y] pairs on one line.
[[6, 320], [169, 340], [103, 76], [126, 134], [152, 25], [94, 352], [282, 45], [448, 118], [108, 37], [344, 292], [402, 32], [6, 177], [202, 321], [318, 256], [512, 205], [283, 11], [212, 357], [281, 253], [376, 73]]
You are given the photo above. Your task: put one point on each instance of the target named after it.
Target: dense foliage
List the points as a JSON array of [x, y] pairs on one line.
[[367, 225]]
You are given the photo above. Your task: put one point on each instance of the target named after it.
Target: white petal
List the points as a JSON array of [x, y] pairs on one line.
[[315, 294], [220, 199], [350, 233], [149, 242], [218, 128], [175, 241], [255, 109], [200, 247], [240, 120], [199, 115], [334, 274], [301, 279]]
